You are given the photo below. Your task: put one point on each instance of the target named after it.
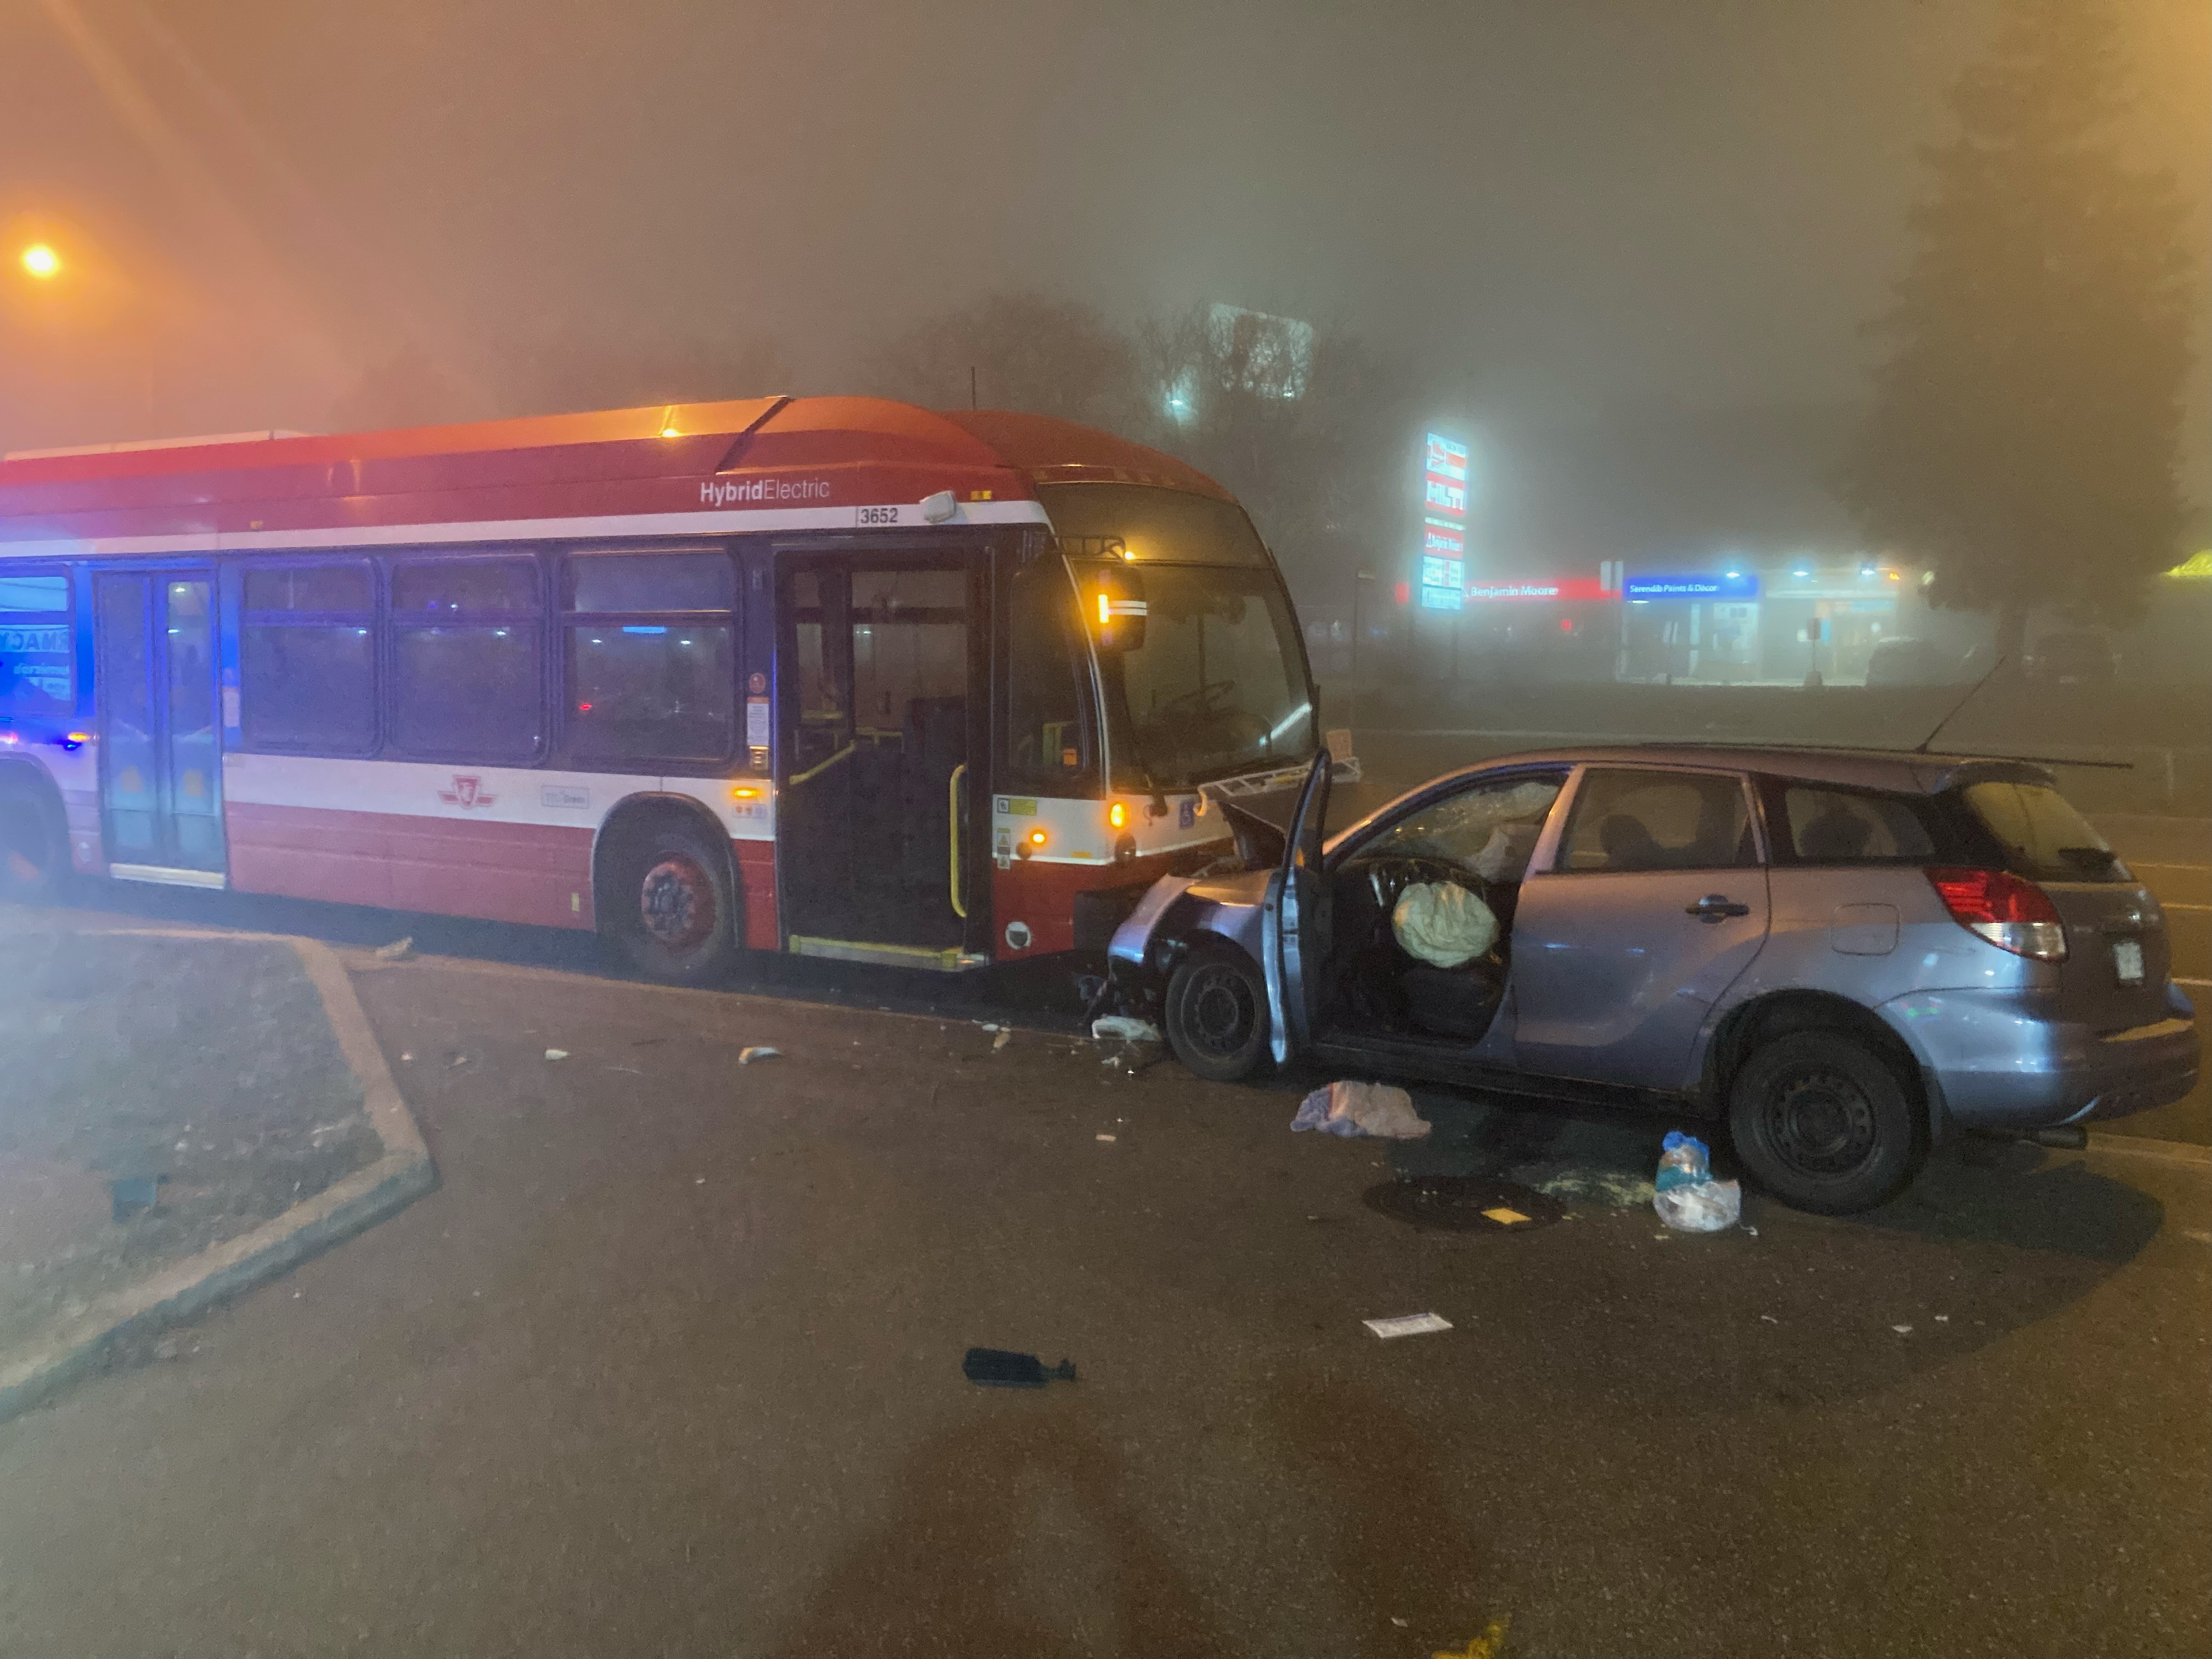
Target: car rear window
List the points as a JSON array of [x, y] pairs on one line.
[[1851, 826], [2043, 838]]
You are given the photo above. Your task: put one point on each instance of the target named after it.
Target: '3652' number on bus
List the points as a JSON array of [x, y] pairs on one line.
[[879, 515]]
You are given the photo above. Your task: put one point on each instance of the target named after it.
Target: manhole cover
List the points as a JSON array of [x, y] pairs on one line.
[[1464, 1204]]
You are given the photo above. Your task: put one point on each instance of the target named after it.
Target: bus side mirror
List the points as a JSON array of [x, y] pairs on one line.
[[1114, 598]]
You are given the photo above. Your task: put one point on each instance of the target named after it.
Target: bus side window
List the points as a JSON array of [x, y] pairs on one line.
[[467, 683], [36, 676], [1050, 748], [308, 658], [649, 661]]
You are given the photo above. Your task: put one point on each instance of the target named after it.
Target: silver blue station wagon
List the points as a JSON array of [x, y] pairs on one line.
[[1850, 957]]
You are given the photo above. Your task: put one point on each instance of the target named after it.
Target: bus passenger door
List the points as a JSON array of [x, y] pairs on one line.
[[160, 768], [884, 701]]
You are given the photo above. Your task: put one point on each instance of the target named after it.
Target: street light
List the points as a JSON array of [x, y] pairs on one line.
[[41, 261]]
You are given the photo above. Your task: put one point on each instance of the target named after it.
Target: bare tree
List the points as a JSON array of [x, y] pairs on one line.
[[408, 388], [547, 376], [1024, 352], [2023, 435], [572, 373], [1304, 424]]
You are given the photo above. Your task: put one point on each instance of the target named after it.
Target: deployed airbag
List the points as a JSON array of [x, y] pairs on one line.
[[1443, 924]]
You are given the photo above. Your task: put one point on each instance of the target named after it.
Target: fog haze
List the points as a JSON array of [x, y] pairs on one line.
[[1550, 211]]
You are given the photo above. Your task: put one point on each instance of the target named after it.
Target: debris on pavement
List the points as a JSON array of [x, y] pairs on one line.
[[1123, 1028], [1902, 1330], [1361, 1108], [1488, 1645], [1006, 1036], [1102, 1137], [998, 1368], [1464, 1204], [759, 1051], [400, 950], [556, 1053], [1131, 1044], [1685, 1195], [1408, 1325]]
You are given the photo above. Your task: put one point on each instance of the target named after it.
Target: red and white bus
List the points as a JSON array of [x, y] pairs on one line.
[[831, 676]]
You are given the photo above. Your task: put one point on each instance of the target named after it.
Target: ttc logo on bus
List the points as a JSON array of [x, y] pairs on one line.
[[466, 792]]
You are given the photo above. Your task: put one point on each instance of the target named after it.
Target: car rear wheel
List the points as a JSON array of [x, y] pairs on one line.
[[669, 906], [1823, 1124], [1217, 1009]]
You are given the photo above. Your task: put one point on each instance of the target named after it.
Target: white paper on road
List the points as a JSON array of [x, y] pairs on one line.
[[1408, 1325]]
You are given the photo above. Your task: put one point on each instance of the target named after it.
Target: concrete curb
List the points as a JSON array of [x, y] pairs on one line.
[[60, 1354]]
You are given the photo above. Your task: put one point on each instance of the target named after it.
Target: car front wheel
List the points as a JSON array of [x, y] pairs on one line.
[[1823, 1124], [1217, 1009]]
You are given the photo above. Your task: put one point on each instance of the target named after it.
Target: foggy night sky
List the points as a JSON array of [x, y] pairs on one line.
[[1578, 204]]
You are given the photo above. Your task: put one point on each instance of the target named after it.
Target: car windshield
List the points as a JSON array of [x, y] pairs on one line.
[[1218, 687], [2045, 838]]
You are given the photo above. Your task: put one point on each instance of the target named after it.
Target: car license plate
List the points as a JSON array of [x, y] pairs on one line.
[[2127, 958]]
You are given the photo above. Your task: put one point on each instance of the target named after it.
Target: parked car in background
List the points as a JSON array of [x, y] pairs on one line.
[[2072, 656], [1847, 957], [1901, 659]]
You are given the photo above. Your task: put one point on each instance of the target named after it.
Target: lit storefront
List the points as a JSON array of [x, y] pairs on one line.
[[1739, 624]]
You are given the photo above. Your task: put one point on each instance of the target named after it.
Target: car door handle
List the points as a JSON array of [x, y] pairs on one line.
[[1715, 906]]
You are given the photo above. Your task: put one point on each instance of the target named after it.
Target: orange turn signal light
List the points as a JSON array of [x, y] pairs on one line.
[[1036, 837], [1117, 815]]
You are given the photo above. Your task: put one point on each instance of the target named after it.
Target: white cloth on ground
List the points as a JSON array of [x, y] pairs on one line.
[[1361, 1108]]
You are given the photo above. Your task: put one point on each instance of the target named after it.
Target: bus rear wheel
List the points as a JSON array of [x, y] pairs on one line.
[[670, 909]]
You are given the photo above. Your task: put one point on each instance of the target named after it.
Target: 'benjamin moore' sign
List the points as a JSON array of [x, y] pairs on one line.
[[1696, 584]]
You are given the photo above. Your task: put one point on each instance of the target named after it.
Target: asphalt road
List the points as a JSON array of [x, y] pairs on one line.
[[672, 1363]]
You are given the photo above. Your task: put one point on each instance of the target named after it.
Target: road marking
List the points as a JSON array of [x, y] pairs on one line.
[[2166, 1152], [2178, 980], [2164, 904]]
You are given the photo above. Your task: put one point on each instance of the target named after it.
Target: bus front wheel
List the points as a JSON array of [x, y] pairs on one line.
[[670, 908]]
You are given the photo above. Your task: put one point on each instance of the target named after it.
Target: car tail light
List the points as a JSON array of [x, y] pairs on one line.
[[2013, 914]]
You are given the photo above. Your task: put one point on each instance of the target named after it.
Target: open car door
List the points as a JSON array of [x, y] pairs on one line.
[[1294, 933]]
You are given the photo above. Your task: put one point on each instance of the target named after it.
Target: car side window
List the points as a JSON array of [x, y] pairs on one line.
[[1631, 819], [1488, 829], [1846, 826]]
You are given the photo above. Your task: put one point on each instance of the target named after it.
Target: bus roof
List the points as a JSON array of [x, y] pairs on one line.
[[758, 463]]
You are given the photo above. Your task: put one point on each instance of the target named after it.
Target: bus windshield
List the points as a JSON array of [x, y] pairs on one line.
[[1218, 686], [1146, 523]]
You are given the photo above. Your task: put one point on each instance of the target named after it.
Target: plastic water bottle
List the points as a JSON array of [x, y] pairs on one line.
[[1683, 1162]]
